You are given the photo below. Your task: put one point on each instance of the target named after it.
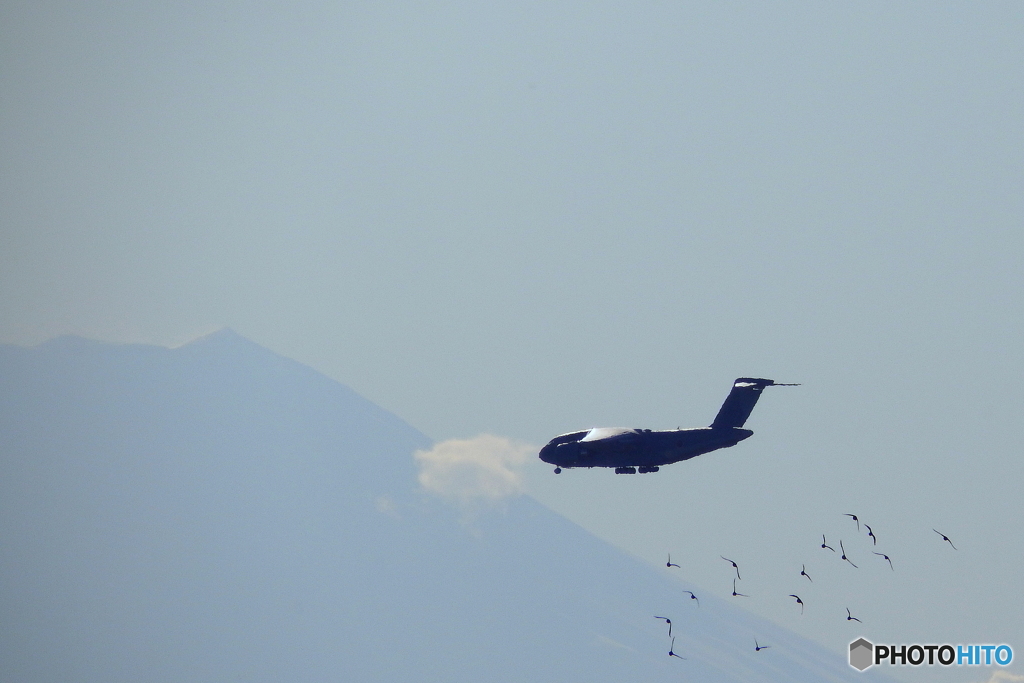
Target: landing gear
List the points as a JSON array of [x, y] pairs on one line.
[[558, 470], [633, 470]]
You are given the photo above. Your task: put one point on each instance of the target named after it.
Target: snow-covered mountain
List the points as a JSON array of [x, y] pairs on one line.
[[217, 512]]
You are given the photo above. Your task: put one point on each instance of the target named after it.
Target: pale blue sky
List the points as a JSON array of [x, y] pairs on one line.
[[525, 219]]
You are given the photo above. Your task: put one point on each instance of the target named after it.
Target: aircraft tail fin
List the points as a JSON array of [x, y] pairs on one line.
[[740, 401]]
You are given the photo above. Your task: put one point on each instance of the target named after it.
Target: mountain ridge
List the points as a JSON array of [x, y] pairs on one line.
[[219, 511]]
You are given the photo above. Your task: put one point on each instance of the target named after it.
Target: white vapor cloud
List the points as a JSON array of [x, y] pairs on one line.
[[484, 468]]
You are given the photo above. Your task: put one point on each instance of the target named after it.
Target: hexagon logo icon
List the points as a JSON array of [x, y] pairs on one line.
[[861, 654]]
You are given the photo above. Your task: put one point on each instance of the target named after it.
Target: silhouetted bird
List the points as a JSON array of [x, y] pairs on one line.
[[801, 602], [803, 572], [945, 538], [735, 594], [670, 563], [758, 648], [693, 597], [874, 541], [844, 553], [886, 559], [734, 566], [671, 650], [850, 617], [669, 622], [854, 519], [825, 545]]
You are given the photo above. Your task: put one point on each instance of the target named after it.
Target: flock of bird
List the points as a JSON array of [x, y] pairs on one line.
[[803, 572]]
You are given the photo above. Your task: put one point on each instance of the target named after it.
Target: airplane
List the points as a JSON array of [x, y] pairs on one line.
[[644, 450]]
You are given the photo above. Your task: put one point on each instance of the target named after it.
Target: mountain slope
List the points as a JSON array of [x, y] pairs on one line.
[[218, 512]]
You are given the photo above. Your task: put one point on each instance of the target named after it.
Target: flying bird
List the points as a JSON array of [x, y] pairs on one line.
[[669, 622], [671, 650], [735, 594], [850, 617], [693, 597], [803, 572], [825, 545], [945, 538], [844, 553], [886, 559], [758, 647], [854, 519], [874, 541], [734, 566], [670, 563], [799, 601]]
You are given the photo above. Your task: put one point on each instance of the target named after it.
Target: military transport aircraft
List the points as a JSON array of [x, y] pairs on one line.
[[630, 450]]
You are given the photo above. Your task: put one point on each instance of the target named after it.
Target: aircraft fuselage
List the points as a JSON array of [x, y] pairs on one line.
[[629, 450], [642, 448]]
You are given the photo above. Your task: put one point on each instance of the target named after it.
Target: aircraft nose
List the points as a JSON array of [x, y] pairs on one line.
[[547, 452]]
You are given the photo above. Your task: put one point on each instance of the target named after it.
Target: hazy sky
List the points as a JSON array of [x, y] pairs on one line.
[[529, 218]]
